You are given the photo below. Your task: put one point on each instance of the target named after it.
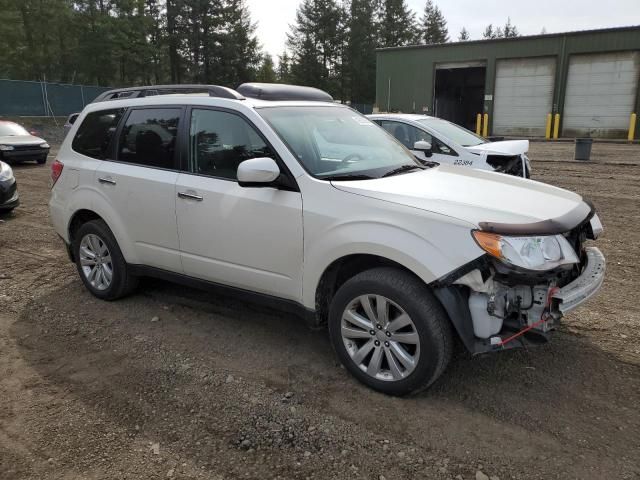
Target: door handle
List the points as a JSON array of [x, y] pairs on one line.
[[190, 196], [108, 180]]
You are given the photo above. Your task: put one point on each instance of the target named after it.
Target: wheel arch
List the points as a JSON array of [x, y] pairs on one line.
[[83, 215], [342, 269]]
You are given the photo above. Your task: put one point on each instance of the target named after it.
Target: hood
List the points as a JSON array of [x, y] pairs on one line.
[[21, 140], [508, 147], [475, 196]]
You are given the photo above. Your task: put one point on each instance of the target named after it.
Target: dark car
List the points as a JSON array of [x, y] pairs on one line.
[[18, 145], [8, 189]]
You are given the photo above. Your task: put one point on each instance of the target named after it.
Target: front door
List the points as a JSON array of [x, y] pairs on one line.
[[249, 238]]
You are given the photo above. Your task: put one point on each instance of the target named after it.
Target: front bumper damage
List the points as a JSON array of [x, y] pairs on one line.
[[490, 315], [585, 286]]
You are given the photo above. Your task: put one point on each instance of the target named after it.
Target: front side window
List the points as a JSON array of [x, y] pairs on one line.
[[220, 141], [149, 137], [406, 134], [338, 143], [94, 134]]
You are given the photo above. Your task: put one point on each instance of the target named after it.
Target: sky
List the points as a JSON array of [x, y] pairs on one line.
[[273, 17]]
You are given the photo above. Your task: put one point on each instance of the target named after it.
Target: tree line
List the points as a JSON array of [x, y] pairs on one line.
[[330, 45]]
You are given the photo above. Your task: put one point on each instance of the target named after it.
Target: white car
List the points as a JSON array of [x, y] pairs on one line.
[[19, 145], [431, 138], [309, 205]]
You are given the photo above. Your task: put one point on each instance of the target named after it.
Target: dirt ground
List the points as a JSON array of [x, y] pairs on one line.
[[176, 383]]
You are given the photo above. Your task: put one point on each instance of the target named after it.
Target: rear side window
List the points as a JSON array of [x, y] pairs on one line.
[[93, 137], [149, 137], [220, 141]]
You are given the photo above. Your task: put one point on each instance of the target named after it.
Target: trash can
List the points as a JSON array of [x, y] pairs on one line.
[[583, 148]]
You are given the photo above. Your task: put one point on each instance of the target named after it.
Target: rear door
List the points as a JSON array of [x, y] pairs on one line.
[[139, 183]]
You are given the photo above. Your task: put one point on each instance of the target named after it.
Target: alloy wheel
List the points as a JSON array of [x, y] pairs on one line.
[[380, 337], [95, 260]]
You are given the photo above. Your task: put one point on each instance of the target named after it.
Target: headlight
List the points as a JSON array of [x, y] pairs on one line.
[[532, 253], [5, 172], [6, 148], [44, 145]]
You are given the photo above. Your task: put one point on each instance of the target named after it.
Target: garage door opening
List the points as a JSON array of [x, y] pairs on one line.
[[459, 93]]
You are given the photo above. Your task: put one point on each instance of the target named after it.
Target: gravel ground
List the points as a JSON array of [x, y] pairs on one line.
[[177, 383]]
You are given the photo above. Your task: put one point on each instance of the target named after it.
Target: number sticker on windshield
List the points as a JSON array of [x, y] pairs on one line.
[[463, 163]]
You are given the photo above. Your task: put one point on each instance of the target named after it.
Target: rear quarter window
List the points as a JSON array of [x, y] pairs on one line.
[[94, 134]]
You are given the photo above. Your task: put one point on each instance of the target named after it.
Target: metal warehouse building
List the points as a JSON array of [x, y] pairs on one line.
[[590, 78]]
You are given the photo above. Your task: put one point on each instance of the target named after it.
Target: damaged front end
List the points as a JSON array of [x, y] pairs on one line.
[[529, 278], [517, 165]]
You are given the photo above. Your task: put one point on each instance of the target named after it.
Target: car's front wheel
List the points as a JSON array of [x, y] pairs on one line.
[[390, 331], [100, 263]]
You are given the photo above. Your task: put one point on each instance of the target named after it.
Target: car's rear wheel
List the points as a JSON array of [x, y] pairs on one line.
[[390, 331], [100, 262]]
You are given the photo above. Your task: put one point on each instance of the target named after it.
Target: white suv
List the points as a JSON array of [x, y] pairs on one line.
[[264, 194]]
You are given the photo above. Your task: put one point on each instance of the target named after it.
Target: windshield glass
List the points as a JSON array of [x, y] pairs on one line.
[[453, 132], [9, 129], [338, 143]]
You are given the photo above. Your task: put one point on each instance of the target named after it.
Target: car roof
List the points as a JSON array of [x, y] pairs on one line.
[[203, 100], [400, 116]]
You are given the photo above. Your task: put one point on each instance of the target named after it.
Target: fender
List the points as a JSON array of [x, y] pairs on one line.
[[418, 255], [88, 197]]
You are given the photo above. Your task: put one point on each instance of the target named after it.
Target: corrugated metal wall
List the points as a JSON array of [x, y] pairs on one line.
[[23, 98], [405, 75]]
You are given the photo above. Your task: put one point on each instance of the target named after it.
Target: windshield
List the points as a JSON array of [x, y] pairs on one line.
[[453, 132], [10, 129], [338, 143]]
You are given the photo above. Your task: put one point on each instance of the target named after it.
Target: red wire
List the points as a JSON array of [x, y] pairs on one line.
[[551, 292]]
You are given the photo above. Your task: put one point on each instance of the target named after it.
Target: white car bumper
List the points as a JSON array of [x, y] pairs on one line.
[[586, 285]]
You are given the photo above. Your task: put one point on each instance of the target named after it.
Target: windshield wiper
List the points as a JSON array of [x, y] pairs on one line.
[[348, 176], [403, 168]]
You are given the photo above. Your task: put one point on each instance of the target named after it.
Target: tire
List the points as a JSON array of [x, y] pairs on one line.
[[429, 339], [95, 236], [42, 161]]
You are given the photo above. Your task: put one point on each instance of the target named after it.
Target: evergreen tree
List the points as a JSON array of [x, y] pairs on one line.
[[397, 25], [316, 41], [509, 30], [361, 57], [464, 35], [284, 68], [266, 73], [434, 25], [491, 33]]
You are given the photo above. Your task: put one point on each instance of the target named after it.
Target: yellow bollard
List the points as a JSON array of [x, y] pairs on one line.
[[478, 124], [632, 127], [547, 132], [485, 127], [556, 126]]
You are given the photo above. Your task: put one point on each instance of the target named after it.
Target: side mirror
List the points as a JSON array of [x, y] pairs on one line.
[[258, 172], [422, 146]]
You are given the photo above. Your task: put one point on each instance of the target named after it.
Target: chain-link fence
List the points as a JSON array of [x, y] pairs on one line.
[[44, 99]]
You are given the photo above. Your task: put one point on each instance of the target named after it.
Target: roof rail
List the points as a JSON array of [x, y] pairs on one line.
[[281, 91], [153, 90]]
